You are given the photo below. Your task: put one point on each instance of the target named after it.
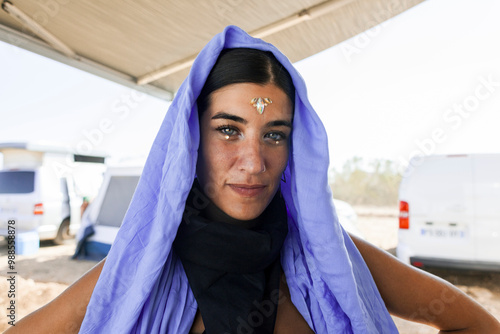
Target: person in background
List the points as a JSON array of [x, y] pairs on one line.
[[85, 204]]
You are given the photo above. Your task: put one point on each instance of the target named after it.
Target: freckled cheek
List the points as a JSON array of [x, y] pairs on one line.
[[222, 158], [278, 159]]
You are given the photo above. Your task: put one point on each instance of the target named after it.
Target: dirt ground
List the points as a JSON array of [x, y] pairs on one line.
[[43, 276]]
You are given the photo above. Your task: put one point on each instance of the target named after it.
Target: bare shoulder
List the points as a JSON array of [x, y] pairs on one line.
[[410, 293], [288, 318], [66, 312]]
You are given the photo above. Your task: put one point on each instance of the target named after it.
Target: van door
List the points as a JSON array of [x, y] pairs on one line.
[[75, 202], [486, 169], [65, 208], [53, 202], [441, 208]]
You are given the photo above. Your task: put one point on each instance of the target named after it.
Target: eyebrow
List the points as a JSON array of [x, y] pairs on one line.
[[280, 123], [224, 115]]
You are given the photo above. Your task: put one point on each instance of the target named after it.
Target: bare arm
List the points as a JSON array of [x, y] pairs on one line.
[[417, 296], [65, 313]]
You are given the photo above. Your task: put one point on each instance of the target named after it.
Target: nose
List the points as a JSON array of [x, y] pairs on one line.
[[251, 158]]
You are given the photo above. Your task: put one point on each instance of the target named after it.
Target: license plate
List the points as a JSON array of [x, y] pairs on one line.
[[443, 233]]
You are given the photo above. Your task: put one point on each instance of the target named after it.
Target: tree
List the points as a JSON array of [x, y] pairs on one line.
[[373, 183]]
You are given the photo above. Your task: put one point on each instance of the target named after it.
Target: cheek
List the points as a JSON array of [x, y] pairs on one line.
[[217, 160], [282, 158], [278, 160]]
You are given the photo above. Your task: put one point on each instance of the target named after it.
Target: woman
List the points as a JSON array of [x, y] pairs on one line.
[[253, 244]]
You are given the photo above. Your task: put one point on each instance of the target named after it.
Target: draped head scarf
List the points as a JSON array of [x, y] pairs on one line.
[[143, 287]]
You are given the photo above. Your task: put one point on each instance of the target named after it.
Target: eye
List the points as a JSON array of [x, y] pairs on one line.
[[276, 137], [227, 131]]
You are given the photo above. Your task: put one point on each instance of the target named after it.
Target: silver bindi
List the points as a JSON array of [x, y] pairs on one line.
[[260, 103]]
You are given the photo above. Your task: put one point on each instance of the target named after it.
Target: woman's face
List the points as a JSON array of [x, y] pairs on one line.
[[243, 153]]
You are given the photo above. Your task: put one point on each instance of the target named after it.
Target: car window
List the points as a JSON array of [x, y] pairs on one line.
[[117, 199], [17, 182]]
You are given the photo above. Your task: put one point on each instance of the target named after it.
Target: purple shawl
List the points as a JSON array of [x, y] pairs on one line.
[[143, 288]]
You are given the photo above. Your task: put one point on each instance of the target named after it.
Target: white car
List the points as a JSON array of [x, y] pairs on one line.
[[347, 217], [450, 212]]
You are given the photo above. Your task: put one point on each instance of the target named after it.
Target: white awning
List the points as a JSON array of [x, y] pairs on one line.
[[150, 45]]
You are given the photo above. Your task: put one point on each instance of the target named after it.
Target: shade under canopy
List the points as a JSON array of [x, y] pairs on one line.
[[149, 45]]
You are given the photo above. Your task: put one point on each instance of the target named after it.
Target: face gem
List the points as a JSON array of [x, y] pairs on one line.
[[260, 103]]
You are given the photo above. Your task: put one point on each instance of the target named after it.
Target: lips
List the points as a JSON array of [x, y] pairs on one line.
[[248, 190]]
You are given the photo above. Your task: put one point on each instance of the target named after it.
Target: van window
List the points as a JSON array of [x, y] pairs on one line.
[[117, 199], [17, 182]]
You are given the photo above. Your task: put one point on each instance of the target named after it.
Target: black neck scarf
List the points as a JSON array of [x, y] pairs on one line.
[[233, 267]]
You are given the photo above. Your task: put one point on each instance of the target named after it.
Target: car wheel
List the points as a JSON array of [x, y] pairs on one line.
[[63, 234]]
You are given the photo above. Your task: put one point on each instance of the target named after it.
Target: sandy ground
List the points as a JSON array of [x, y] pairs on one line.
[[43, 276]]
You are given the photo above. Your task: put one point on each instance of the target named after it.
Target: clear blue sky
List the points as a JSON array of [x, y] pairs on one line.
[[426, 81]]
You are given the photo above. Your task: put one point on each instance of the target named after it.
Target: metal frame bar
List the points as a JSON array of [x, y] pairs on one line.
[[37, 46], [304, 15]]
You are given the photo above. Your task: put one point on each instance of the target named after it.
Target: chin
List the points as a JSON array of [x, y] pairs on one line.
[[249, 208], [246, 212]]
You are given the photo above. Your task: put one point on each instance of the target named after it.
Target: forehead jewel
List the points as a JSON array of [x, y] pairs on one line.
[[260, 103]]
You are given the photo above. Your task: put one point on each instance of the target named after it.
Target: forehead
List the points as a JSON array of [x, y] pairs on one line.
[[237, 99]]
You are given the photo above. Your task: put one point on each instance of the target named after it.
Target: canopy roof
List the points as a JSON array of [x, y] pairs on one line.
[[149, 45]]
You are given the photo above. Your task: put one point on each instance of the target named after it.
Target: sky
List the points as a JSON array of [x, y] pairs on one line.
[[425, 82]]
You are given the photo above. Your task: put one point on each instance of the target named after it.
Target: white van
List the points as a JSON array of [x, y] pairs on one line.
[[450, 212], [42, 188], [104, 215]]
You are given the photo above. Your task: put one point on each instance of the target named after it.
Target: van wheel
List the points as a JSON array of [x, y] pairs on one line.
[[63, 234]]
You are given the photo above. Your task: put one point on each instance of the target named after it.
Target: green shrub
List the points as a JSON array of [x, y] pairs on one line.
[[375, 182]]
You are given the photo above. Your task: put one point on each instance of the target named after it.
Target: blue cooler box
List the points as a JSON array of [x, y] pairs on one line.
[[27, 243]]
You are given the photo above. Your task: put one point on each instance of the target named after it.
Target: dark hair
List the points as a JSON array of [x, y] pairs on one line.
[[245, 65]]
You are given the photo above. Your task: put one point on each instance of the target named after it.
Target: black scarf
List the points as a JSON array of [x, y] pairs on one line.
[[233, 267]]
